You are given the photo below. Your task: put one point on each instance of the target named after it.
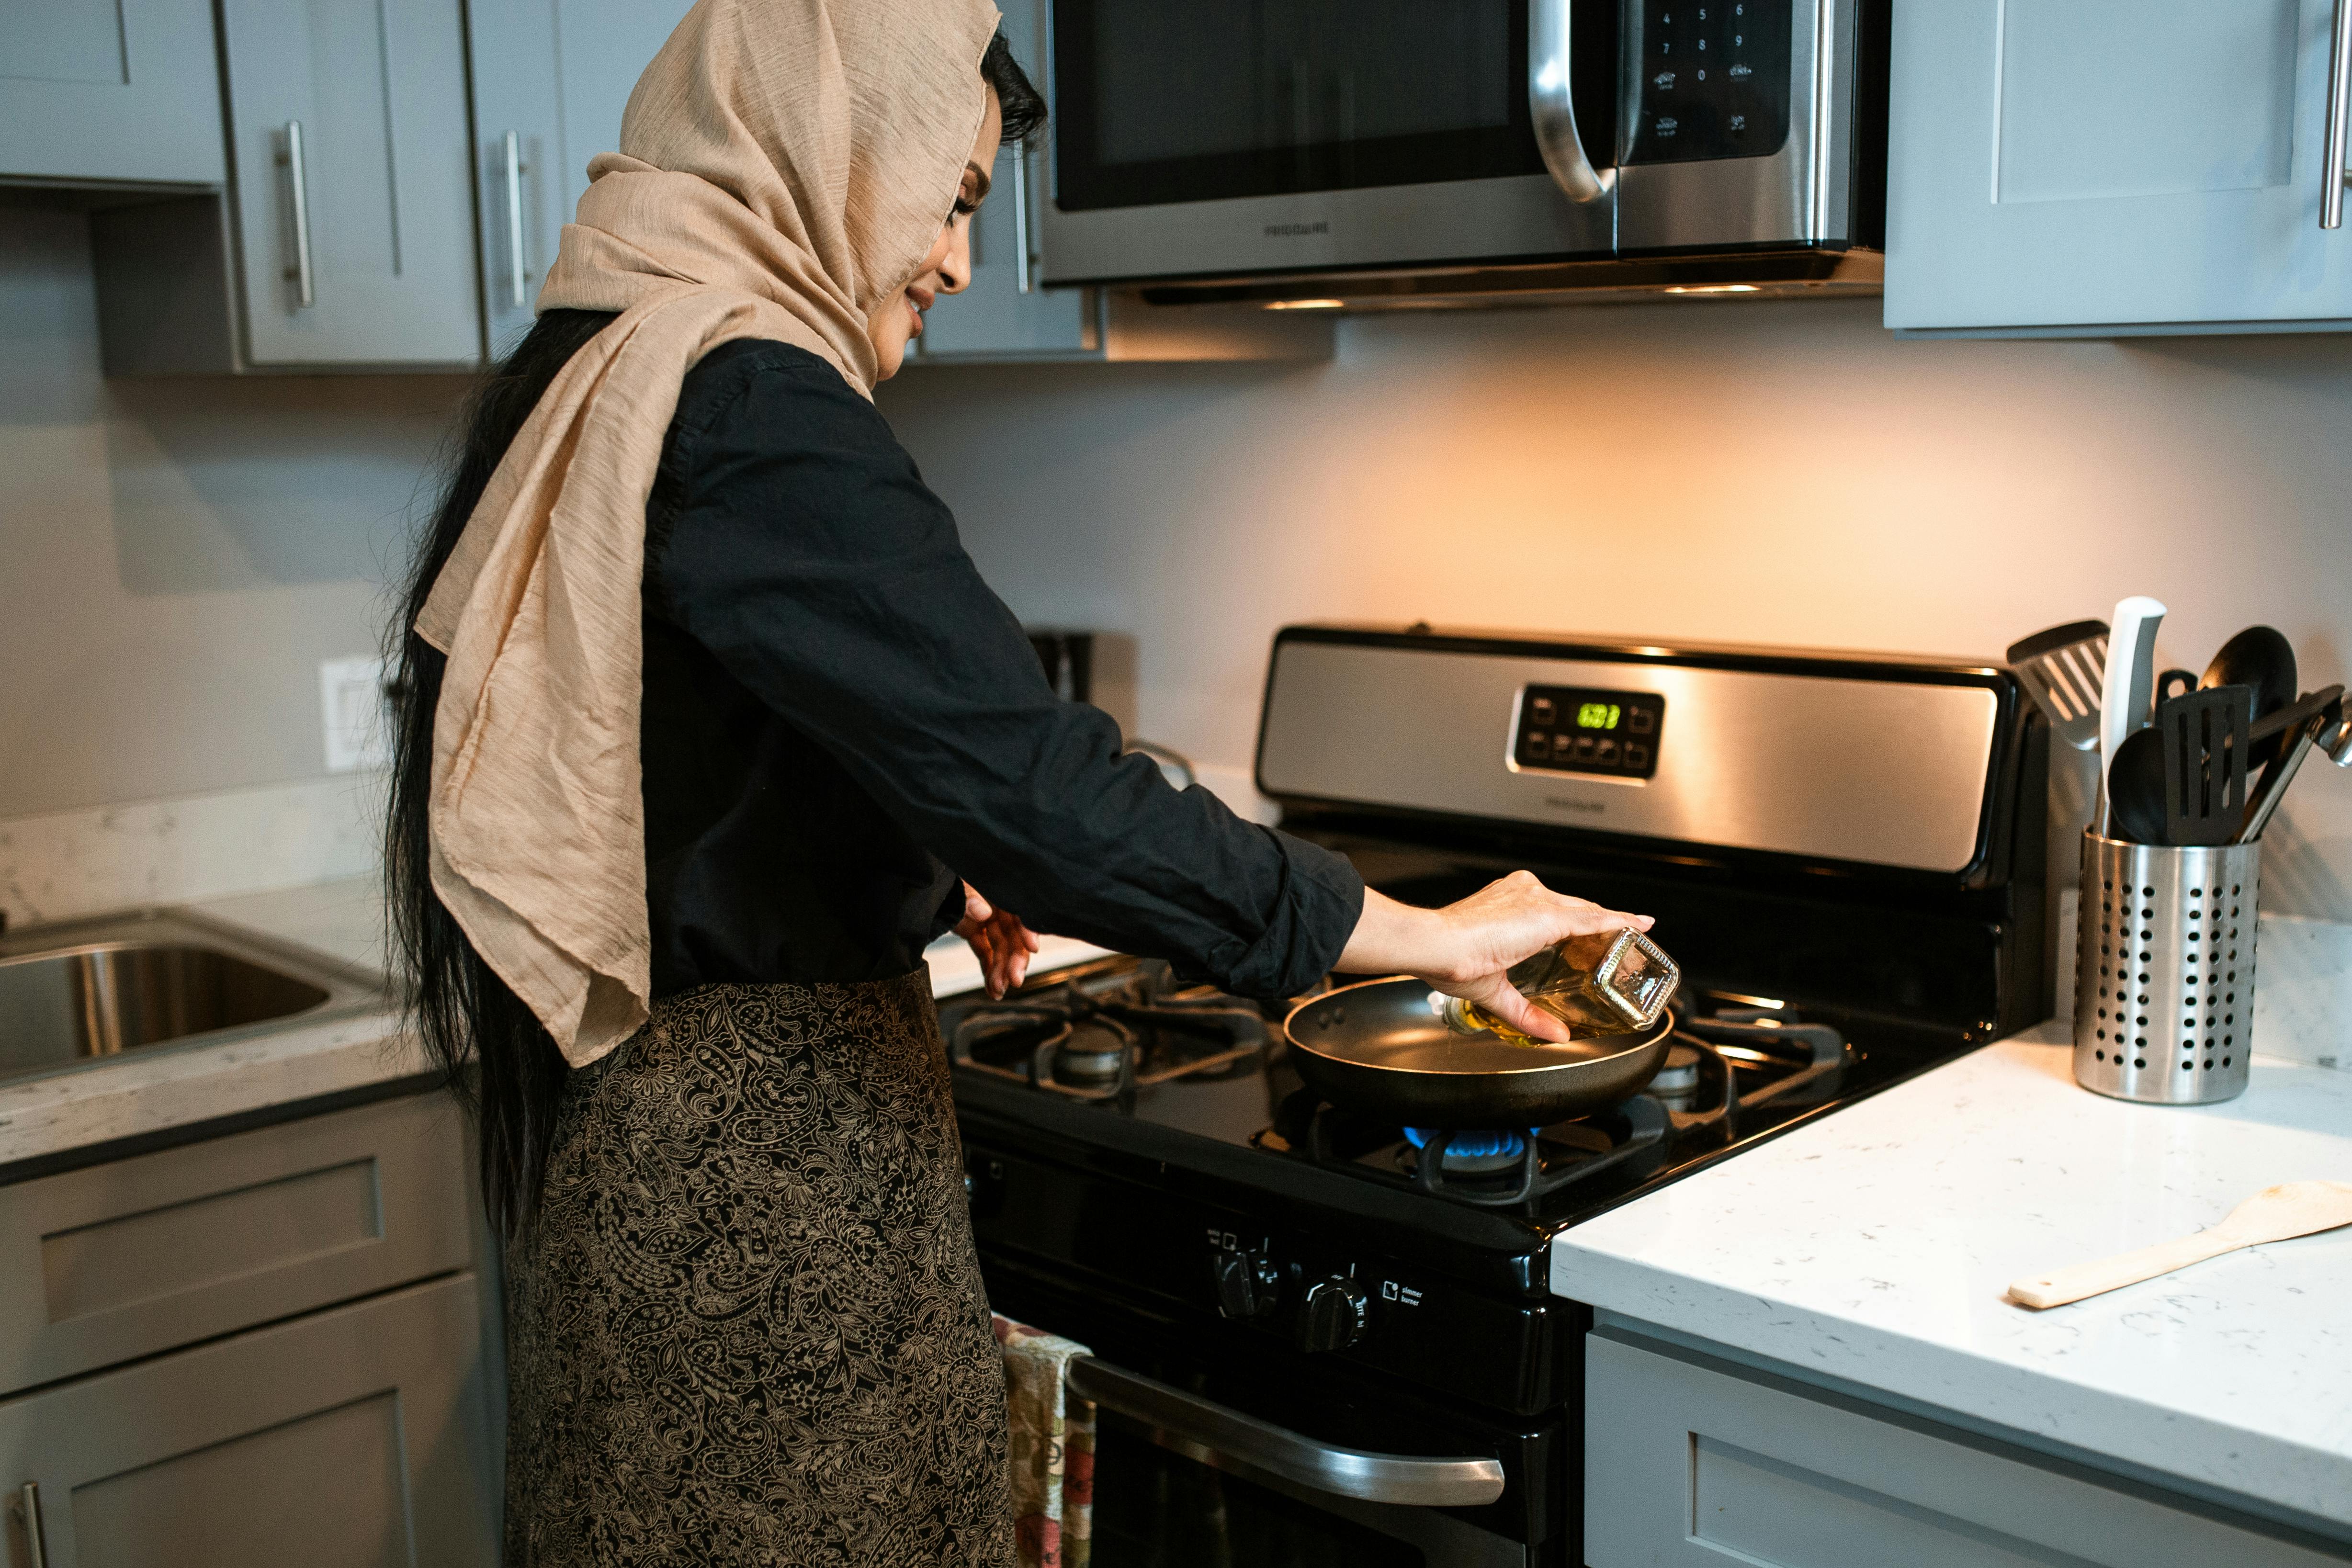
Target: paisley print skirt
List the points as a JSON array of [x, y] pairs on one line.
[[746, 1324]]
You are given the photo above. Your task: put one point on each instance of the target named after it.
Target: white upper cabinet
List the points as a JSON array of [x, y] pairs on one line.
[[354, 203], [2112, 166], [1004, 314], [551, 78], [109, 90]]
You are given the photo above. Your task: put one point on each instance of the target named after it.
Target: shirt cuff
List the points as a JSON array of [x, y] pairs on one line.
[[1321, 898]]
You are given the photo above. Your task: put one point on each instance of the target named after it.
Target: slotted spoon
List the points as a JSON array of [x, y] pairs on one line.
[[2275, 1214]]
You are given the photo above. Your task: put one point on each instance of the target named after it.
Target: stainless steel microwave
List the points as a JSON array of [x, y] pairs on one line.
[[1406, 151]]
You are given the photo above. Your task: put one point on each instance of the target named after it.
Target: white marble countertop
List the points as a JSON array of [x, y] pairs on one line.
[[151, 1091], [1872, 1246]]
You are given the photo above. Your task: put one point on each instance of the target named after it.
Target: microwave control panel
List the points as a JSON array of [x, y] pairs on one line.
[[1711, 80], [1578, 729]]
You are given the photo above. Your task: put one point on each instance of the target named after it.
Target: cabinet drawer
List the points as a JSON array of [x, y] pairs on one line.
[[353, 1437], [100, 1265], [1687, 1463]]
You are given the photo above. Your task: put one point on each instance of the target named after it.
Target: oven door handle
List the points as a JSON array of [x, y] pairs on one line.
[[1552, 104], [1210, 1431]]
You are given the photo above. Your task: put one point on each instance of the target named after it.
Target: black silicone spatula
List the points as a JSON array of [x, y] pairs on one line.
[[2205, 750]]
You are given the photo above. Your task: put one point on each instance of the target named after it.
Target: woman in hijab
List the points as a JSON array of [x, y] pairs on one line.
[[708, 726]]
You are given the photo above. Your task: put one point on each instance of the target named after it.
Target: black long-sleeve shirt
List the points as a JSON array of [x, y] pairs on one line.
[[837, 711]]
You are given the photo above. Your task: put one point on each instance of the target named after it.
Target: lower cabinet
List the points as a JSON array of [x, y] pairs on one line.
[[273, 1347], [1705, 1463], [352, 1437]]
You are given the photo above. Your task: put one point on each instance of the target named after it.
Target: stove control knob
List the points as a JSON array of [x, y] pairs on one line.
[[1332, 1316], [1248, 1284]]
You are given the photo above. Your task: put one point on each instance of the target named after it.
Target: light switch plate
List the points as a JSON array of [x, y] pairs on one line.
[[358, 720]]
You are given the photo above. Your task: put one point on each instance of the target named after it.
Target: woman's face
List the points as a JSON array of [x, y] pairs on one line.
[[948, 268]]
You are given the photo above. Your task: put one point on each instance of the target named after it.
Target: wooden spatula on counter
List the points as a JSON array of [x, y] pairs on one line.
[[2275, 1214]]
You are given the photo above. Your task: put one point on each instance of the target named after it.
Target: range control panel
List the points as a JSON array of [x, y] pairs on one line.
[[1580, 729], [1711, 80]]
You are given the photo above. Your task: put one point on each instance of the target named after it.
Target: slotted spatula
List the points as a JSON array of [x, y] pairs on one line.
[[2062, 668], [2275, 1214], [2205, 751]]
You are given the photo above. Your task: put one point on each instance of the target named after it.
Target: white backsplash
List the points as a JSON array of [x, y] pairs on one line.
[[58, 865]]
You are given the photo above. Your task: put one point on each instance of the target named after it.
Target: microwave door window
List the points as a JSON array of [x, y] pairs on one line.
[[1216, 100]]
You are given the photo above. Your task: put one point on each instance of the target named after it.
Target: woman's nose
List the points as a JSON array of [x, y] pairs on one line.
[[955, 271]]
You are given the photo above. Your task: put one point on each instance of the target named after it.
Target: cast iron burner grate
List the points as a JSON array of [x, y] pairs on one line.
[[1102, 1035], [1700, 1094]]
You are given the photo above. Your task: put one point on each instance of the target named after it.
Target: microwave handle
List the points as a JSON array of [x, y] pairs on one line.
[[1553, 107], [1207, 1429]]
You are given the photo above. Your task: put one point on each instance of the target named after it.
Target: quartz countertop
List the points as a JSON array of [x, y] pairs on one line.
[[1871, 1248], [145, 1094]]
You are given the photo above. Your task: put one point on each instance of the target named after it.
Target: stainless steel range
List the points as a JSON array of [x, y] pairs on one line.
[[1324, 1338]]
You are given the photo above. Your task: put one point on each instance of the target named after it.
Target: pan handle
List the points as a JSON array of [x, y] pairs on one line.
[[1210, 1431]]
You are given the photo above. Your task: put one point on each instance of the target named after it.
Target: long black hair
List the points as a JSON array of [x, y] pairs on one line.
[[495, 1053]]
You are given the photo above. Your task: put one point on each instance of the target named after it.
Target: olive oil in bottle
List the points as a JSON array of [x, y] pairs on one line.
[[1609, 982]]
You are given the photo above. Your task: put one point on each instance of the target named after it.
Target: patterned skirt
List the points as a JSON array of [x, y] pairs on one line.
[[747, 1324]]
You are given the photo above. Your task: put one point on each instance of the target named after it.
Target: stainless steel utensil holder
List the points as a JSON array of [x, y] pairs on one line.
[[2164, 987]]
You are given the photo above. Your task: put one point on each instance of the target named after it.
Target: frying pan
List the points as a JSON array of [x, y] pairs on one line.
[[1377, 1047]]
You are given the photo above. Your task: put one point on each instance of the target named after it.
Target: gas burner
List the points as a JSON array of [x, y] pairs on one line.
[[1742, 1057], [1505, 1169], [1782, 1056], [1105, 1033], [1472, 1154]]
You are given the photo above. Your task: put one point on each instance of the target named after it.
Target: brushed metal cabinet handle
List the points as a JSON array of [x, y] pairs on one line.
[[1023, 265], [26, 1509], [517, 276], [1551, 105], [298, 274], [2340, 118], [1408, 1480]]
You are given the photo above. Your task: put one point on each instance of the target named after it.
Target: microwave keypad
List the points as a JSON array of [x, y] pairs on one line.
[[1577, 729], [1713, 81]]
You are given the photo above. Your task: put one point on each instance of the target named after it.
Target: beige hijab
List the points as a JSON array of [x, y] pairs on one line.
[[785, 165]]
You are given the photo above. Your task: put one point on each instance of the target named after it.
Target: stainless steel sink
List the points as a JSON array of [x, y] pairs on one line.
[[82, 992]]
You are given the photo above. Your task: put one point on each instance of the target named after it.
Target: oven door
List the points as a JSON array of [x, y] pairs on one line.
[[1229, 138], [1223, 1455]]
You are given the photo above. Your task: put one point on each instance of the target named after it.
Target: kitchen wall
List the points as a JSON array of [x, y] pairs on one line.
[[1784, 473], [176, 557]]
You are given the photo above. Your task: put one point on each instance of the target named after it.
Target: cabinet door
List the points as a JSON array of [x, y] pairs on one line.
[[995, 318], [119, 1260], [353, 1437], [376, 212], [551, 78], [518, 158], [1687, 1461], [604, 47], [2129, 164], [110, 89]]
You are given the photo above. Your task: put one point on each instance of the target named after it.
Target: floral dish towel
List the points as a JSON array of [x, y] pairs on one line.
[[1052, 1447]]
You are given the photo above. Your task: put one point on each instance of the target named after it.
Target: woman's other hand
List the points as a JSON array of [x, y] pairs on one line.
[[1467, 949], [998, 939]]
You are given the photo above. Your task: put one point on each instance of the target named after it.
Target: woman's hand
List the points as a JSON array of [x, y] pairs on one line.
[[1467, 949], [998, 939]]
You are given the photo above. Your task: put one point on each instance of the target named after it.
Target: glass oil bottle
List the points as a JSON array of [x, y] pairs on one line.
[[1607, 982]]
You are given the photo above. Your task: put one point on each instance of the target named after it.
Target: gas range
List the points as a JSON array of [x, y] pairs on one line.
[[1292, 1282], [1122, 1036]]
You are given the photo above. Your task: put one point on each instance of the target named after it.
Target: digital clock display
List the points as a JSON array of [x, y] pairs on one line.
[[1574, 729]]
